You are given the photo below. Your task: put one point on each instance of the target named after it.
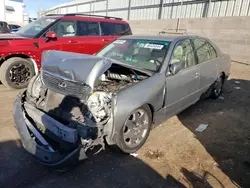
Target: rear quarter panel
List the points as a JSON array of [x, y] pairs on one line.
[[224, 64], [223, 61]]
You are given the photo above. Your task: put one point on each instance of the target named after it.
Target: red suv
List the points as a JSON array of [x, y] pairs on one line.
[[20, 53]]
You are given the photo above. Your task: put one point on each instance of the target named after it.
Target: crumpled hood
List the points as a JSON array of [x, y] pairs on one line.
[[10, 36], [80, 68]]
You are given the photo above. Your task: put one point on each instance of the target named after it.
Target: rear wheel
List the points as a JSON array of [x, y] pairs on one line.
[[217, 88], [16, 73], [135, 130]]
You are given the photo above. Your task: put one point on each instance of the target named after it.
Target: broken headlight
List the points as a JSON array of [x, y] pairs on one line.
[[99, 104], [34, 87]]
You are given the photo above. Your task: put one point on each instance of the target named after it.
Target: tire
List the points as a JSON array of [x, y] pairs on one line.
[[217, 87], [16, 73], [123, 143]]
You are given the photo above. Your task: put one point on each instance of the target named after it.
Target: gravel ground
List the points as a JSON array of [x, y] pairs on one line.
[[175, 155]]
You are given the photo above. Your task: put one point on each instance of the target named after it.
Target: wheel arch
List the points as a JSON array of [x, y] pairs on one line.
[[31, 60], [151, 107], [223, 75]]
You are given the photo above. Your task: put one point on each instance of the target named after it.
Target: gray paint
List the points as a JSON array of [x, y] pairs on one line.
[[69, 66], [167, 94], [48, 123], [149, 91]]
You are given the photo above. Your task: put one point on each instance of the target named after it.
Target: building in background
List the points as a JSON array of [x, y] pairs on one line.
[[154, 9], [12, 11]]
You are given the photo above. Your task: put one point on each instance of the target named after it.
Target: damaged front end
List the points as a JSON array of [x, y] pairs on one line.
[[65, 111]]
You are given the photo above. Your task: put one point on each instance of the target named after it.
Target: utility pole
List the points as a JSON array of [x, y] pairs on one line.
[[209, 6], [107, 7], [38, 8], [179, 19], [4, 11], [160, 9], [129, 9], [94, 7]]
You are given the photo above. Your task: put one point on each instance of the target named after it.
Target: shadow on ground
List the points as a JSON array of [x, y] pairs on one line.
[[227, 137], [19, 169], [226, 140]]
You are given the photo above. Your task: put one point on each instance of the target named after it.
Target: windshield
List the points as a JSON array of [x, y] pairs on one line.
[[143, 54], [34, 28]]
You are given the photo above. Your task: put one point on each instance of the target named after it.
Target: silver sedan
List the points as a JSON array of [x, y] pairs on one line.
[[80, 101]]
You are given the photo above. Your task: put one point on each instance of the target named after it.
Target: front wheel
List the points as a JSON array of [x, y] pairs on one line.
[[16, 73], [135, 130], [217, 88]]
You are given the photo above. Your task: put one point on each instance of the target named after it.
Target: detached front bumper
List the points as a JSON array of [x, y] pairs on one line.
[[35, 143]]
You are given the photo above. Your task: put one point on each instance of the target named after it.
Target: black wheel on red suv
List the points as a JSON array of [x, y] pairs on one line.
[[16, 73]]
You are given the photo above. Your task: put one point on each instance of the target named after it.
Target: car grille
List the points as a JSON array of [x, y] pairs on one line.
[[63, 86]]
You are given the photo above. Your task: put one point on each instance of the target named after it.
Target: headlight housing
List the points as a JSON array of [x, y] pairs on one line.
[[99, 104], [34, 86]]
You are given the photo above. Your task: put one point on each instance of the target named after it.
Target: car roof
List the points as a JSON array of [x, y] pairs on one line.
[[168, 38], [87, 17]]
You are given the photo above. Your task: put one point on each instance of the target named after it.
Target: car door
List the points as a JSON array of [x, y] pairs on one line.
[[67, 40], [182, 88], [89, 36], [109, 32], [207, 59]]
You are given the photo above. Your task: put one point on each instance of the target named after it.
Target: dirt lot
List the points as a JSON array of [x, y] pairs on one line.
[[175, 155]]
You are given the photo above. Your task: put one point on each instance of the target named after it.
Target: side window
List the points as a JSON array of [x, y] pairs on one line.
[[127, 29], [122, 29], [87, 28], [107, 28], [184, 53], [212, 51], [203, 50], [65, 28]]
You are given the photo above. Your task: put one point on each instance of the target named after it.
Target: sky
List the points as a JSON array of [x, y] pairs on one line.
[[33, 5]]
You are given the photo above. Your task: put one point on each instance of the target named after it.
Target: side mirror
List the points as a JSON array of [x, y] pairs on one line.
[[50, 36], [175, 67]]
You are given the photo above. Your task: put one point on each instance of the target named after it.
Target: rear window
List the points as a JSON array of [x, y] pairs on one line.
[[108, 28], [204, 50], [4, 27], [3, 24]]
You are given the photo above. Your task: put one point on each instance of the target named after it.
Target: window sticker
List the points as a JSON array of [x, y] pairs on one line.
[[119, 41], [154, 46]]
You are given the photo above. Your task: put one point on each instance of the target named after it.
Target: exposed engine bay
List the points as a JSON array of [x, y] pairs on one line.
[[87, 117], [117, 79]]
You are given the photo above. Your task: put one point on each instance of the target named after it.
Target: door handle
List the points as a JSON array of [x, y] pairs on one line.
[[216, 65], [73, 41], [196, 75], [105, 40]]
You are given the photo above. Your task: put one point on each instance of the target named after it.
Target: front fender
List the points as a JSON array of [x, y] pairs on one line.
[[149, 91], [21, 48]]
